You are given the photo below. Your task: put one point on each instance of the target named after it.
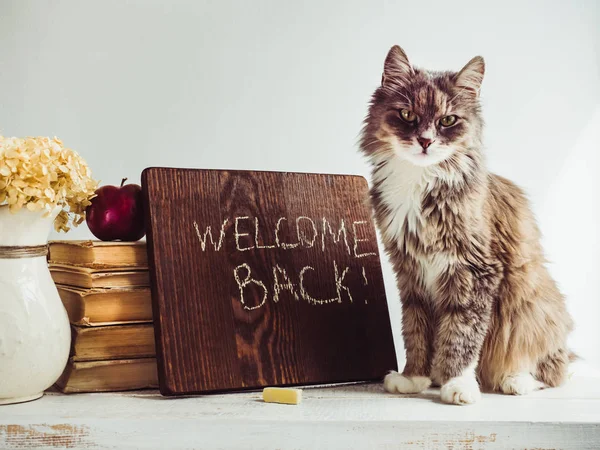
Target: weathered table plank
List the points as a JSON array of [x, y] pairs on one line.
[[344, 417]]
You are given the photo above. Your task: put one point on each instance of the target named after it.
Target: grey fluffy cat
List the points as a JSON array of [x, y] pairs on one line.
[[479, 307]]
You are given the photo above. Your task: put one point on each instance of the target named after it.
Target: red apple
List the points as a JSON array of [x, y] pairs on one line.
[[116, 213]]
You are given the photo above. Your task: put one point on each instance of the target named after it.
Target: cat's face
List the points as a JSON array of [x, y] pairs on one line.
[[425, 117]]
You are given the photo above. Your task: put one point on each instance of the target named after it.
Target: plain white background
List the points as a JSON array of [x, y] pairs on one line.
[[281, 85]]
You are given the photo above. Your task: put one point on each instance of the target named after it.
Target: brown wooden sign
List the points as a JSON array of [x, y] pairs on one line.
[[263, 279]]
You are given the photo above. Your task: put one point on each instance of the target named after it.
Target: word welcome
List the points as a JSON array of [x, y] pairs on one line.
[[308, 234]]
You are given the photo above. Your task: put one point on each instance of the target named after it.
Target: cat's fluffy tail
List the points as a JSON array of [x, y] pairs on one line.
[[552, 369]]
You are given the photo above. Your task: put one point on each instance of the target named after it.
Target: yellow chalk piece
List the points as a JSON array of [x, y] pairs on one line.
[[287, 396]]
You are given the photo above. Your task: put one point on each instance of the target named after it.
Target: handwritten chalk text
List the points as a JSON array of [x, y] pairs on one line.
[[248, 234], [282, 282]]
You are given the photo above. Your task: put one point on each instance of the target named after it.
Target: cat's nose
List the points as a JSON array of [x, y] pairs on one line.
[[424, 142]]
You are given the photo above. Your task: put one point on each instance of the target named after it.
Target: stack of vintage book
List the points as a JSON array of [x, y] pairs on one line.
[[105, 289]]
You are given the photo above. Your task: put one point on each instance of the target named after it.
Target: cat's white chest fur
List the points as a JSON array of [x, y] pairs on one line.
[[402, 187]]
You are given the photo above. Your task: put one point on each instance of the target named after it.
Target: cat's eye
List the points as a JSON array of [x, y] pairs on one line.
[[407, 115], [448, 121]]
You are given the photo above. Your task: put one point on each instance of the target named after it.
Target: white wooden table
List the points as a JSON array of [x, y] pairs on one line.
[[342, 417]]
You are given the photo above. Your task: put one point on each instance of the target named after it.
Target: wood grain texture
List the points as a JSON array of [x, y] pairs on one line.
[[285, 288]]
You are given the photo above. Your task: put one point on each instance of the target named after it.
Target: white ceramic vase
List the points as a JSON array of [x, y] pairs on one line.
[[35, 335]]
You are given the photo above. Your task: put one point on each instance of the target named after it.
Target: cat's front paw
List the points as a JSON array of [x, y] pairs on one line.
[[520, 384], [463, 390], [396, 383]]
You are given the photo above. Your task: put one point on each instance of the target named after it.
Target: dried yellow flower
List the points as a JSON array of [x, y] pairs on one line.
[[40, 173]]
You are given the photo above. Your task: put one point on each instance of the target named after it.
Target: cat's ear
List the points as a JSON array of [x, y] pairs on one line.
[[471, 76], [396, 67]]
